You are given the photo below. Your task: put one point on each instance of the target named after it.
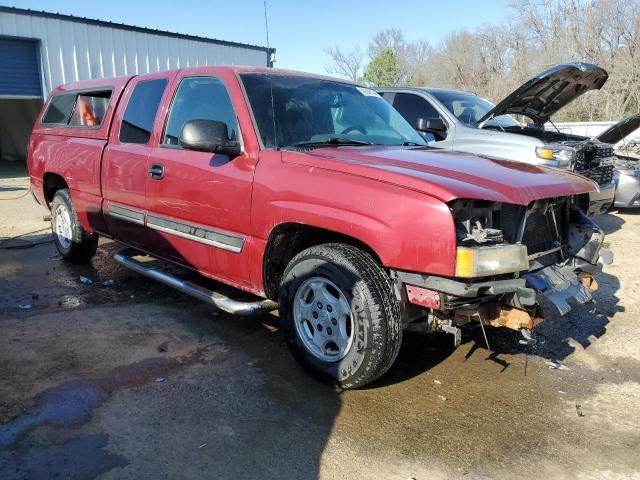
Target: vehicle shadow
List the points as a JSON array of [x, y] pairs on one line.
[[609, 222], [554, 339]]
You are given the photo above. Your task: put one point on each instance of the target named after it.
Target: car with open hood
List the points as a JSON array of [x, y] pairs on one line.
[[627, 152], [463, 121], [626, 148], [314, 197]]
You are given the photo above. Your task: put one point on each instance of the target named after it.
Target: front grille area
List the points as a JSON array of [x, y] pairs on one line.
[[539, 233], [595, 161], [601, 175]]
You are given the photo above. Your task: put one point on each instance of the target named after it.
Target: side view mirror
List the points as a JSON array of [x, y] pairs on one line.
[[208, 136], [431, 125]]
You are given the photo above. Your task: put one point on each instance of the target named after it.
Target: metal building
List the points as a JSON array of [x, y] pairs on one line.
[[40, 50]]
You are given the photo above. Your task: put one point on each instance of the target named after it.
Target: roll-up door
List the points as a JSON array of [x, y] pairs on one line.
[[19, 70]]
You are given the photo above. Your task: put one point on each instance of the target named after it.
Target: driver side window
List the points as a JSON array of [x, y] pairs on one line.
[[412, 107], [200, 98]]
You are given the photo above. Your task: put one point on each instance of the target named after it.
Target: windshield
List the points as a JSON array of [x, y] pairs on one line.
[[469, 108], [291, 111]]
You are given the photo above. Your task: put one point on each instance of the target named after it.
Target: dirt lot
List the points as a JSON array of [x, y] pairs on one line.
[[132, 380]]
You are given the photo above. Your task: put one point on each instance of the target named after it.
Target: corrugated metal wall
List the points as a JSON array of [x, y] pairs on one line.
[[72, 50]]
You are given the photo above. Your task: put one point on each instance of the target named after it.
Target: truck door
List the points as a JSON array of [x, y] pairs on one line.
[[124, 163], [199, 203]]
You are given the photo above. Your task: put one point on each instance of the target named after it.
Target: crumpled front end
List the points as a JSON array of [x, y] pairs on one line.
[[508, 257]]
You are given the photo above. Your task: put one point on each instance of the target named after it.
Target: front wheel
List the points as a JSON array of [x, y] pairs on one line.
[[339, 314], [71, 240]]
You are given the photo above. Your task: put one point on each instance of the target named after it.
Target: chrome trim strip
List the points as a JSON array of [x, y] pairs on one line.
[[127, 214], [215, 238]]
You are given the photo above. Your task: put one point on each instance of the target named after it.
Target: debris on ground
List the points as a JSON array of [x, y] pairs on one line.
[[24, 306], [437, 382], [579, 410], [442, 397], [557, 365], [163, 347], [105, 283], [203, 445], [160, 379]]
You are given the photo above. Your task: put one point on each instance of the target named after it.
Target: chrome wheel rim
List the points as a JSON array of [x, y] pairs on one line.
[[62, 226], [323, 319]]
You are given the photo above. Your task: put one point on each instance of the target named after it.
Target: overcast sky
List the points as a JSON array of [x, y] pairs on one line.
[[300, 31]]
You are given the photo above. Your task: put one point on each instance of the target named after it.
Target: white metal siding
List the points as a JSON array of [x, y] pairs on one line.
[[71, 50]]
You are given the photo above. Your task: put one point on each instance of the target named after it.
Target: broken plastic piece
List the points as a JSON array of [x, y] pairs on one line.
[[24, 306], [557, 365], [588, 281], [85, 280]]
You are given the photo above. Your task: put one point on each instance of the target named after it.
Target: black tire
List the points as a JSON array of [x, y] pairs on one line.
[[376, 328], [82, 246]]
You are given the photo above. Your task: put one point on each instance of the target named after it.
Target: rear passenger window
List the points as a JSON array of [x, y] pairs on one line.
[[200, 98], [90, 109], [77, 109], [140, 114], [59, 109]]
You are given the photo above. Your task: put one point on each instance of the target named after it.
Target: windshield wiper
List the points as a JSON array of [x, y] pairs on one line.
[[333, 141]]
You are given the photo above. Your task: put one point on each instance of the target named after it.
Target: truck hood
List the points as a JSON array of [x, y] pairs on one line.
[[447, 175], [546, 93], [620, 130]]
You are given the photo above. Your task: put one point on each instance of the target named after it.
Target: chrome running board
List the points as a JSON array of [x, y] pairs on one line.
[[216, 299]]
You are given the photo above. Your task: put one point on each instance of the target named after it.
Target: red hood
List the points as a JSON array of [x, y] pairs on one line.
[[448, 175]]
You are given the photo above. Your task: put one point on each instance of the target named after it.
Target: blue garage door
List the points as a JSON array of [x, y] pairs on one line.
[[19, 72]]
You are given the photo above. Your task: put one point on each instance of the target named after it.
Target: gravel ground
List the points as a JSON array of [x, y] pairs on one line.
[[133, 380]]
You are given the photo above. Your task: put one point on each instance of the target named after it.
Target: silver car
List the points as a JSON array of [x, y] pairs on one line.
[[463, 121], [627, 175]]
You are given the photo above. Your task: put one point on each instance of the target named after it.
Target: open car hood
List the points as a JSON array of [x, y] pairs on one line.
[[620, 130], [546, 93]]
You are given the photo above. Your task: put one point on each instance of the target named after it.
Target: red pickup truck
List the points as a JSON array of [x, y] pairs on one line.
[[315, 196]]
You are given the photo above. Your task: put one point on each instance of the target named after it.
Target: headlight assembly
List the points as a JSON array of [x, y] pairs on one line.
[[474, 262], [563, 156]]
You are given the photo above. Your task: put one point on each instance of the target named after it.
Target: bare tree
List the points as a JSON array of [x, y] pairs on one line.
[[494, 60], [346, 64]]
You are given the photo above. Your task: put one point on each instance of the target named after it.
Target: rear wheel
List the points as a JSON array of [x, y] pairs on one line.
[[339, 314], [72, 241]]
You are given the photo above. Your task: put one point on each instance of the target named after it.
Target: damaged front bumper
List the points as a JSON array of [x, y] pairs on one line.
[[511, 303]]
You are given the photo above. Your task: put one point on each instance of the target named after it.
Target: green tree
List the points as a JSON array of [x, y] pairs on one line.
[[383, 69]]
